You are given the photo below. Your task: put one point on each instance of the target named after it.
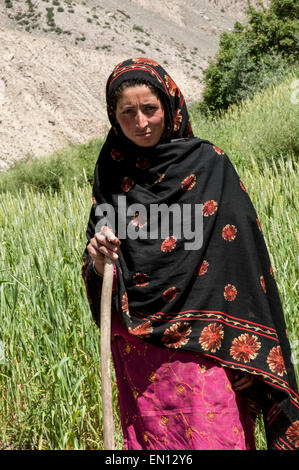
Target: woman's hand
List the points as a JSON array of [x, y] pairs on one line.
[[104, 243], [242, 380]]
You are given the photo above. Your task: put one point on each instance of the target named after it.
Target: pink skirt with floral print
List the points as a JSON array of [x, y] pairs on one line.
[[172, 399]]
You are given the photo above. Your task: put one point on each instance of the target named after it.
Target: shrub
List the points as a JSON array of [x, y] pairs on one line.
[[252, 56], [30, 5], [49, 173], [263, 128], [138, 28], [50, 17]]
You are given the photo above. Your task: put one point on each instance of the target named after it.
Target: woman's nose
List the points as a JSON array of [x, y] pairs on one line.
[[141, 120]]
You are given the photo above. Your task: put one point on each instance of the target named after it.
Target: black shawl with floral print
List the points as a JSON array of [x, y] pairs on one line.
[[220, 300]]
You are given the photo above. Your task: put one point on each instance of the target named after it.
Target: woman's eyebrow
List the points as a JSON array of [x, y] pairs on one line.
[[127, 105], [149, 103]]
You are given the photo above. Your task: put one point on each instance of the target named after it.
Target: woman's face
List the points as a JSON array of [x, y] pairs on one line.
[[140, 115]]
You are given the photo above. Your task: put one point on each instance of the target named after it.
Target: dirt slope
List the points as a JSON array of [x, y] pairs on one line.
[[55, 57]]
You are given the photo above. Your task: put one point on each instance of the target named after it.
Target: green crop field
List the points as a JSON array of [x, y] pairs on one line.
[[50, 380]]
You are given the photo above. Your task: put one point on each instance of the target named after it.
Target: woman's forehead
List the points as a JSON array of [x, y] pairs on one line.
[[137, 93]]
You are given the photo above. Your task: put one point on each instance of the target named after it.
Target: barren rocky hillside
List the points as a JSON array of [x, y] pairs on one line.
[[55, 57]]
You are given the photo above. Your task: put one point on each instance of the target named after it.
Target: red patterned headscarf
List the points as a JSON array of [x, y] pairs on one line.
[[178, 123]]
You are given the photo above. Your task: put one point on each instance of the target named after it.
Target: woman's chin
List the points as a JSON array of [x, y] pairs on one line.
[[147, 140]]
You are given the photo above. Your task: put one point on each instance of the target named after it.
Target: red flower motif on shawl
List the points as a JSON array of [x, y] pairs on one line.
[[145, 60], [292, 433], [125, 304], [229, 232], [218, 150], [242, 186], [211, 337], [177, 335], [263, 284], [116, 155], [230, 292], [189, 182], [145, 329], [142, 163], [209, 208], [171, 85], [160, 178], [168, 244], [170, 294], [177, 120], [245, 347], [275, 361], [139, 220], [127, 184], [202, 268], [141, 279]]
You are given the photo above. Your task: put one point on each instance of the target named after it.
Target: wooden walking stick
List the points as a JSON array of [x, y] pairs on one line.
[[107, 408]]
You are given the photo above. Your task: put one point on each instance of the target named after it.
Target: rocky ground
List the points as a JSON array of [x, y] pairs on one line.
[[56, 55]]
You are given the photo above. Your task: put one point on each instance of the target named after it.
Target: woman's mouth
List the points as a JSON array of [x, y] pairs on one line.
[[144, 134]]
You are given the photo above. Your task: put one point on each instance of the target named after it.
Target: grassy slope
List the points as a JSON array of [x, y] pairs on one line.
[[49, 355], [264, 128]]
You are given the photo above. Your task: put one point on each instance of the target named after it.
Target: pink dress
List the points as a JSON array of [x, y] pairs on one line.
[[172, 399]]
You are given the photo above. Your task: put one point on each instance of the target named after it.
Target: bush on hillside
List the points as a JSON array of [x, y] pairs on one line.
[[62, 168], [253, 56], [263, 128]]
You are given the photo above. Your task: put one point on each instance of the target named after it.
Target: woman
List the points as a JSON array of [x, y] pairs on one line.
[[198, 335]]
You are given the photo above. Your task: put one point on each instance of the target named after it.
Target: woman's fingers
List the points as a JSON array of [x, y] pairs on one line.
[[97, 251], [106, 252], [93, 249], [107, 243], [110, 244]]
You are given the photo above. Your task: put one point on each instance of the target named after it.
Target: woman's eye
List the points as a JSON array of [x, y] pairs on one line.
[[147, 109]]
